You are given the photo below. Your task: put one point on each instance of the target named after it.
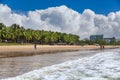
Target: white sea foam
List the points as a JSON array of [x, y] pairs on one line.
[[103, 66]]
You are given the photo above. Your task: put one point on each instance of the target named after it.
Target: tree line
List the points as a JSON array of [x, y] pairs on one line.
[[100, 42], [18, 34]]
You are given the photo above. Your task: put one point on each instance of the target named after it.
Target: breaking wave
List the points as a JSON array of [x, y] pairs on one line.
[[102, 66]]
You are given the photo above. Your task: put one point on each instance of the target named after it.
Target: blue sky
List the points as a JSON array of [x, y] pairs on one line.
[[98, 6]]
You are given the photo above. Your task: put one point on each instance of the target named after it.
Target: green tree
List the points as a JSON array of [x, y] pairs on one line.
[[55, 37], [36, 35], [15, 33], [27, 35]]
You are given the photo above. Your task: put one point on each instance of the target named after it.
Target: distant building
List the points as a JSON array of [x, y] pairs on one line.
[[117, 40], [110, 39], [85, 39], [96, 37]]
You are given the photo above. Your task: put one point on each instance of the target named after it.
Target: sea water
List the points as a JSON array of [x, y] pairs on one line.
[[102, 66], [14, 66]]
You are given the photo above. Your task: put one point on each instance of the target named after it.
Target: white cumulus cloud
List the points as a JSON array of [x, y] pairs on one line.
[[64, 19]]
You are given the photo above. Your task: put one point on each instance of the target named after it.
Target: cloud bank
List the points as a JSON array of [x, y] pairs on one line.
[[64, 19]]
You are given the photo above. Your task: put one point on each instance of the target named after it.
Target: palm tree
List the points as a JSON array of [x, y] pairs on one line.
[[27, 35], [55, 37], [36, 35]]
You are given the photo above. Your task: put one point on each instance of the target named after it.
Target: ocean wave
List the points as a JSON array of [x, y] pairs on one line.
[[102, 66]]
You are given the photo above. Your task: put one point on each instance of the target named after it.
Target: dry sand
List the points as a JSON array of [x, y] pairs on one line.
[[26, 50]]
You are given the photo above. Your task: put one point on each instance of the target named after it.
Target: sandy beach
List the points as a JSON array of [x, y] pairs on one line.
[[26, 50]]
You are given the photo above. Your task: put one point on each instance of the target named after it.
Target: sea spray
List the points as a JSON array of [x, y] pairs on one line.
[[102, 66]]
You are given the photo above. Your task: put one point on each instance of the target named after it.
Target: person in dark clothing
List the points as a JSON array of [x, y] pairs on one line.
[[35, 46], [101, 47]]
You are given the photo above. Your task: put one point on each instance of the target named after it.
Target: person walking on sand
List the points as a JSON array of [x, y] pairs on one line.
[[102, 47], [35, 47]]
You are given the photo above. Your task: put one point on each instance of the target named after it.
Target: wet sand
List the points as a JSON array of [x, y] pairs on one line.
[[28, 50]]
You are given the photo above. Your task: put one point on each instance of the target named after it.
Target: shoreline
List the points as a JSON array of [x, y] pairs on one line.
[[28, 50]]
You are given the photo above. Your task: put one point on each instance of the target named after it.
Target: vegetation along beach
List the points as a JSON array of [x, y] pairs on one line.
[[18, 41]]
